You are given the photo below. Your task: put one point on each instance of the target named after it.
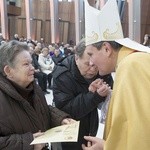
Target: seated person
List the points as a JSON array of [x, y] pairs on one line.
[[46, 63], [57, 57], [24, 113], [41, 76]]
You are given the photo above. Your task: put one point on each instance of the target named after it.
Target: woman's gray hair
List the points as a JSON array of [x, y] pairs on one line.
[[80, 48], [8, 53]]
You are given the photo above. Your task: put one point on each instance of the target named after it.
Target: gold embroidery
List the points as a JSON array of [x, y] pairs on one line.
[[92, 38], [115, 35]]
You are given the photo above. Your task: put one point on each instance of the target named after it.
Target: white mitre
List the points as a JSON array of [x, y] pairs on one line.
[[105, 25]]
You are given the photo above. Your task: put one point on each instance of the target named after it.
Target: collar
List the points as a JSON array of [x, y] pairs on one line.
[[124, 52]]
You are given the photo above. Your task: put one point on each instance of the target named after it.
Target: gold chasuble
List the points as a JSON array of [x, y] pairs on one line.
[[128, 121]]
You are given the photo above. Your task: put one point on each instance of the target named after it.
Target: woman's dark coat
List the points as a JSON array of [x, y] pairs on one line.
[[70, 91], [20, 118]]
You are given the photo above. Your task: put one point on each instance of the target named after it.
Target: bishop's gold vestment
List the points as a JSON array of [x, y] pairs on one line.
[[128, 120]]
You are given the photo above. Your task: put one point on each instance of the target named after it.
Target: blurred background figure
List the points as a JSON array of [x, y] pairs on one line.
[[146, 40], [46, 63], [39, 45], [1, 38], [16, 37], [57, 57], [37, 51], [51, 50], [42, 42], [38, 74]]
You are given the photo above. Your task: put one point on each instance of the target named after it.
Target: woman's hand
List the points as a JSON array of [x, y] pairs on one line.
[[104, 89], [38, 146], [94, 85], [94, 143], [67, 121]]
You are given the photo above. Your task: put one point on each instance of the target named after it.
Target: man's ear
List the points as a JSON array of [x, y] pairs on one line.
[[7, 71], [108, 49]]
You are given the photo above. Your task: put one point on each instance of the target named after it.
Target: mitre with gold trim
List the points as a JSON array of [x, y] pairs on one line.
[[105, 25]]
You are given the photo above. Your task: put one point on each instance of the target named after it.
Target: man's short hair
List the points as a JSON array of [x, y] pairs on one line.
[[114, 45]]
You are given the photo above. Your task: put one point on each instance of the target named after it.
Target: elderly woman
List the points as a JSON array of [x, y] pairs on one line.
[[24, 113]]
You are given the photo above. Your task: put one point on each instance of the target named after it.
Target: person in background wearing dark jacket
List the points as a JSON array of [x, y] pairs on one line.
[[57, 57], [71, 80], [24, 113]]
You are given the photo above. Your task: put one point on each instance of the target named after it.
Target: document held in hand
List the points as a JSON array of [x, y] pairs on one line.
[[63, 133]]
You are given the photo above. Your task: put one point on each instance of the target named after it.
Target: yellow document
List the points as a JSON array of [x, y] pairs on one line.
[[64, 133]]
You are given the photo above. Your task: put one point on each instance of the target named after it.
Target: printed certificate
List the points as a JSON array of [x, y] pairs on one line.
[[63, 133]]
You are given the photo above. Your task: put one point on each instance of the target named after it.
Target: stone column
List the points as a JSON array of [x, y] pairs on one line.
[[4, 18], [54, 21], [134, 19], [28, 4], [79, 20]]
